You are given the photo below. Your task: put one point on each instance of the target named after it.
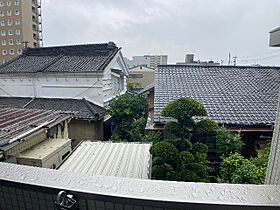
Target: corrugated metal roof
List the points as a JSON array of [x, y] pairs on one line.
[[19, 124], [110, 159]]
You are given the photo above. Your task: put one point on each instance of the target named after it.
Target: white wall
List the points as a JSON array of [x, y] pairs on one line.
[[98, 88], [114, 85], [53, 85]]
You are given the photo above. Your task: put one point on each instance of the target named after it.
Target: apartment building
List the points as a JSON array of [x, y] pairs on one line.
[[20, 24], [150, 61]]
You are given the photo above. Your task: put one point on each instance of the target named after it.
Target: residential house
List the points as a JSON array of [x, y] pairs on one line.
[[239, 97], [87, 123], [96, 72], [141, 76], [34, 137], [120, 159]]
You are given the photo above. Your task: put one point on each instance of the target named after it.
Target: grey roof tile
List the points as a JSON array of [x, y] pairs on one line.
[[83, 109], [230, 94], [77, 58]]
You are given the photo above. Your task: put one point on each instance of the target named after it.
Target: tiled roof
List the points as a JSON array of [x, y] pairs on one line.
[[77, 58], [20, 124], [231, 94], [131, 160], [147, 88], [83, 109]]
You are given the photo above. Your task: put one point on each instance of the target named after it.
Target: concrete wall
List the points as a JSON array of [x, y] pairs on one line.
[[23, 187], [27, 144], [85, 130], [51, 161]]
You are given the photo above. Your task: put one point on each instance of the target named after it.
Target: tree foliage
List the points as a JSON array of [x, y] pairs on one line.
[[128, 113], [183, 109], [205, 126], [228, 142], [236, 169], [182, 160]]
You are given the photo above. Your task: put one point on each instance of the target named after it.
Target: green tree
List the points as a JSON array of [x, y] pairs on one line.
[[183, 109], [182, 160], [128, 113], [236, 169], [228, 142]]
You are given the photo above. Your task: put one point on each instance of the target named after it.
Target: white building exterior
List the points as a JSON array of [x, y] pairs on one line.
[[97, 85]]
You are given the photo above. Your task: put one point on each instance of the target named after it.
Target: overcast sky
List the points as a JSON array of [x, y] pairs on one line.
[[209, 28]]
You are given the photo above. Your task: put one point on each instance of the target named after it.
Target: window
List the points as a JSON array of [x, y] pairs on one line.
[[11, 42], [5, 61], [18, 42], [10, 32], [12, 52], [9, 3], [17, 22], [17, 32], [2, 23], [17, 12], [9, 22], [9, 12], [3, 33], [135, 76], [2, 14], [3, 42], [2, 4], [4, 52], [19, 51], [16, 2]]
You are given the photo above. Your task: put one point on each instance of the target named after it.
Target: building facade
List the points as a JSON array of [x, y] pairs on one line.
[[150, 61], [275, 38], [141, 76], [96, 72], [20, 22]]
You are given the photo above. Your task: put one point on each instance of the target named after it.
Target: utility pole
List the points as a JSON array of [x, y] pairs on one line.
[[229, 59], [234, 60]]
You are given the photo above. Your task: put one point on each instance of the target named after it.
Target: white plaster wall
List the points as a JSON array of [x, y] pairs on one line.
[[111, 82], [47, 85]]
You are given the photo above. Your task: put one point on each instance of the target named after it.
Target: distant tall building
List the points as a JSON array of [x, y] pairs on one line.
[[189, 60], [20, 24], [150, 61]]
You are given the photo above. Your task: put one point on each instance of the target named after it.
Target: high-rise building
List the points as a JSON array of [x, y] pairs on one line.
[[20, 25], [147, 60]]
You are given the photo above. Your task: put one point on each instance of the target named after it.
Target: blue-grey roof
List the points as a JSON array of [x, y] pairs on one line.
[[76, 58], [231, 94], [83, 109]]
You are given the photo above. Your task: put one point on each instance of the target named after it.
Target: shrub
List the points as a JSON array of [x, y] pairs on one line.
[[228, 142], [238, 170], [205, 126], [158, 172], [166, 151], [183, 109]]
